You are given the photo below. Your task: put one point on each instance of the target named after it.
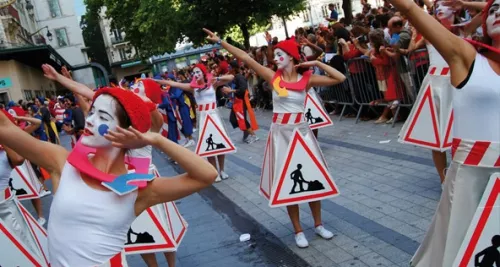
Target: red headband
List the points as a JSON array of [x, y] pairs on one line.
[[136, 109], [290, 46]]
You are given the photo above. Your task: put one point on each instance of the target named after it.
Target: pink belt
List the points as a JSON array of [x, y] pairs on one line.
[[476, 153], [288, 118], [206, 107]]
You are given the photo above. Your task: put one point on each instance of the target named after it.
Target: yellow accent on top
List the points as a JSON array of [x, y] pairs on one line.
[[282, 92]]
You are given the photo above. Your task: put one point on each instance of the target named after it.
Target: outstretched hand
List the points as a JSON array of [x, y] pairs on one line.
[[65, 72], [129, 138], [49, 72], [212, 37]]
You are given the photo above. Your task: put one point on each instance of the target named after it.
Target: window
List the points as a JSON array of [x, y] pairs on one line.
[[62, 37], [325, 11], [55, 9], [28, 94], [305, 16], [123, 55]]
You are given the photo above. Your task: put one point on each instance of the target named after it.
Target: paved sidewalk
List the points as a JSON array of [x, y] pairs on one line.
[[388, 194]]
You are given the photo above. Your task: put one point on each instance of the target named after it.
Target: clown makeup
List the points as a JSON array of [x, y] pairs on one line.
[[138, 88], [102, 117], [443, 12], [281, 58], [198, 74], [493, 20]]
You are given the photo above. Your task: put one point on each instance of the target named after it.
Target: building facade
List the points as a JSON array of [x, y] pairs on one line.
[[60, 19]]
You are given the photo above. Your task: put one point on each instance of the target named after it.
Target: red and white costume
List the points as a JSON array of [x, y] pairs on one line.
[[291, 143], [431, 118], [476, 157]]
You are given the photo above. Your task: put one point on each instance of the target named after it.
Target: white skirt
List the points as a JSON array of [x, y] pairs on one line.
[[294, 170], [430, 121]]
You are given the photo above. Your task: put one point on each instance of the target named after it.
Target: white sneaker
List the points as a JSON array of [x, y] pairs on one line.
[[223, 175], [321, 231], [42, 221], [189, 143], [218, 179], [45, 193], [301, 241]]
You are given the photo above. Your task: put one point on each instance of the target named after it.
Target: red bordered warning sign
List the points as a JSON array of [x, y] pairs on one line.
[[24, 182], [148, 234], [303, 177], [315, 114], [178, 226], [425, 117], [38, 232], [448, 139], [213, 139], [14, 252], [483, 237]]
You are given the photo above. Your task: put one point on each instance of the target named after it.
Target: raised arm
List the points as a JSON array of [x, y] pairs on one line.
[[334, 76], [183, 86], [44, 154], [458, 53], [265, 73], [199, 172], [71, 85]]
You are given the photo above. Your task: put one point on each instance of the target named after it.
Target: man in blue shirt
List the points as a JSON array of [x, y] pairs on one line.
[[334, 15]]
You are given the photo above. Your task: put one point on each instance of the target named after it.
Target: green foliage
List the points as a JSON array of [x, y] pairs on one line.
[[92, 35]]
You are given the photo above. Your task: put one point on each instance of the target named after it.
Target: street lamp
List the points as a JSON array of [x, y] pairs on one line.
[[49, 34], [30, 7]]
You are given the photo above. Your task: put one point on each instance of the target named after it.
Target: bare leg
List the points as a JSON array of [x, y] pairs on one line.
[[150, 259], [221, 158], [293, 212], [37, 204], [213, 162], [316, 212], [170, 256], [439, 159]]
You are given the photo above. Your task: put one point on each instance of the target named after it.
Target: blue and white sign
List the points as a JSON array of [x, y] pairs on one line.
[[5, 83]]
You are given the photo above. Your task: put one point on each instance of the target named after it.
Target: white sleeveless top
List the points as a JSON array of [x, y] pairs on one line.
[[293, 103], [205, 96], [436, 60], [5, 170], [87, 227], [477, 105], [143, 152]]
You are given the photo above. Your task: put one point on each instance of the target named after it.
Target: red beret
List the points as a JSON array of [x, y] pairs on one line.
[[152, 90], [136, 109], [290, 46], [202, 68]]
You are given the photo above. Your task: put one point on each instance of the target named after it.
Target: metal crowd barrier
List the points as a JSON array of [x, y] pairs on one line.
[[400, 80]]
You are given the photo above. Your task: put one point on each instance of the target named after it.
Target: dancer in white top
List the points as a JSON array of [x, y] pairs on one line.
[[476, 130], [202, 86], [290, 138], [88, 222]]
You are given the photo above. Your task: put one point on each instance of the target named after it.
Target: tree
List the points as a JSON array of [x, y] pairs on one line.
[[92, 36], [347, 8], [220, 16], [151, 26]]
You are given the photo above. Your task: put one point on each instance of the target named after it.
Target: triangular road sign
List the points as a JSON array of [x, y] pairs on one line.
[[448, 139], [176, 222], [38, 232], [266, 175], [303, 176], [148, 234], [24, 182], [14, 252], [482, 241], [315, 113], [424, 117], [213, 139]]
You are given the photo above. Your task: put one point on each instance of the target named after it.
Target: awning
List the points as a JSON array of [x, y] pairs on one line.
[[35, 56]]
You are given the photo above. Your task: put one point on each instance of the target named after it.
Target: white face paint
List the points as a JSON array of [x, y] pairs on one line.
[[198, 74], [443, 12], [101, 118], [138, 88], [282, 59], [493, 20]]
